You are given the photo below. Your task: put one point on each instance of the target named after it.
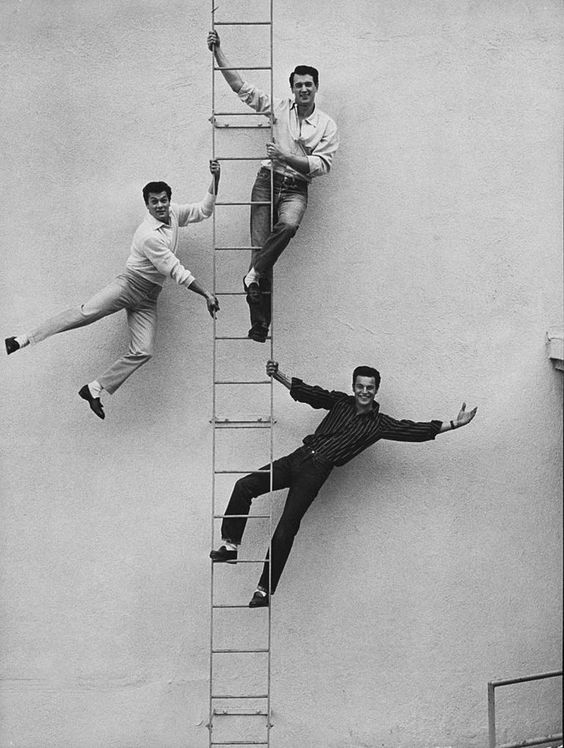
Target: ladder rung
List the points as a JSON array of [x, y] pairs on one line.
[[243, 426], [239, 651], [243, 67], [245, 202], [242, 23], [241, 472], [249, 696], [227, 126], [241, 114], [215, 605], [240, 516], [237, 293], [219, 422], [236, 337], [227, 713], [240, 158], [245, 381], [239, 742]]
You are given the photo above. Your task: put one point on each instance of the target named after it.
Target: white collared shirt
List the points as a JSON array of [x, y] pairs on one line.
[[315, 136], [154, 245]]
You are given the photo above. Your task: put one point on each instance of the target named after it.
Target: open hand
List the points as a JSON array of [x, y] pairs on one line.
[[464, 416]]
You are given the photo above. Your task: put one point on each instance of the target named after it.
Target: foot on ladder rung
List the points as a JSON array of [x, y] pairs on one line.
[[246, 606]]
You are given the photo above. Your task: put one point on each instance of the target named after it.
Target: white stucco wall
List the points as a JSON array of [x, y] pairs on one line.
[[433, 251]]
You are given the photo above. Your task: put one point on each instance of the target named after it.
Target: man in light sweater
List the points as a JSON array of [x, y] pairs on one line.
[[305, 139], [151, 261]]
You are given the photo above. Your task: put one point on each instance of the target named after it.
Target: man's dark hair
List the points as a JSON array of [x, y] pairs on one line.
[[367, 371], [156, 188], [305, 70]]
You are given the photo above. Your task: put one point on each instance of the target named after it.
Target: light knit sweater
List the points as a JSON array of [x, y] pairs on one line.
[[154, 245]]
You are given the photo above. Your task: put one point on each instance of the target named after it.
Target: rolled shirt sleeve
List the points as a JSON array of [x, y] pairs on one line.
[[194, 212]]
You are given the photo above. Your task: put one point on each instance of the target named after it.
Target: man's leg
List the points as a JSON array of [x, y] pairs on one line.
[[244, 491], [142, 321], [260, 231], [290, 208], [107, 301], [291, 204], [307, 479]]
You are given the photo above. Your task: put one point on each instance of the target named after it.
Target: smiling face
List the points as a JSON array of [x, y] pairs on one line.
[[158, 205], [364, 393], [304, 90]]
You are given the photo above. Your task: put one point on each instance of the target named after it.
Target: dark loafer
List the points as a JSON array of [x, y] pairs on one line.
[[258, 333], [12, 345], [259, 600], [224, 555], [94, 402]]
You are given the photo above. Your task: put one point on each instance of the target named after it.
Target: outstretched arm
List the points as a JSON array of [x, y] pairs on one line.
[[462, 419], [232, 77], [272, 370]]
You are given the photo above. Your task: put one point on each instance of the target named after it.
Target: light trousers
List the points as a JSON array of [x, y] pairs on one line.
[[129, 291]]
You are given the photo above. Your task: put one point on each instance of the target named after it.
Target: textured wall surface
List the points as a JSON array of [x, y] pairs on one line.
[[432, 251]]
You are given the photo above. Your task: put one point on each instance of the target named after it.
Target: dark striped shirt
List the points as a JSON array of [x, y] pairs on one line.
[[344, 433]]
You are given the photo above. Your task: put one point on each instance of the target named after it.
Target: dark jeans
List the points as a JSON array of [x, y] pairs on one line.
[[304, 475], [290, 203]]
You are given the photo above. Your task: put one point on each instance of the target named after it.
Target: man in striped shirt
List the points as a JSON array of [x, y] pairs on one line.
[[152, 259], [352, 424]]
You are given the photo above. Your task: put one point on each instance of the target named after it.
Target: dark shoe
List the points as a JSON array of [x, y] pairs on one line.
[[260, 600], [253, 292], [258, 333], [224, 555], [94, 402], [12, 345]]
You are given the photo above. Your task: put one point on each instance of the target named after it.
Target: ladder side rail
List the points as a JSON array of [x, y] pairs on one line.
[[215, 421], [214, 414], [272, 331]]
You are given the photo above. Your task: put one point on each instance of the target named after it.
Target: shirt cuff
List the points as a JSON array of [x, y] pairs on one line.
[[295, 383], [189, 280]]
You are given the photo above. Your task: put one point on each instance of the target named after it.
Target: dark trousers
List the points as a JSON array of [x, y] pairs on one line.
[[304, 475], [290, 203]]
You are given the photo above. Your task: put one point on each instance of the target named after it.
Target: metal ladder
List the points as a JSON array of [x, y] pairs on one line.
[[248, 715]]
